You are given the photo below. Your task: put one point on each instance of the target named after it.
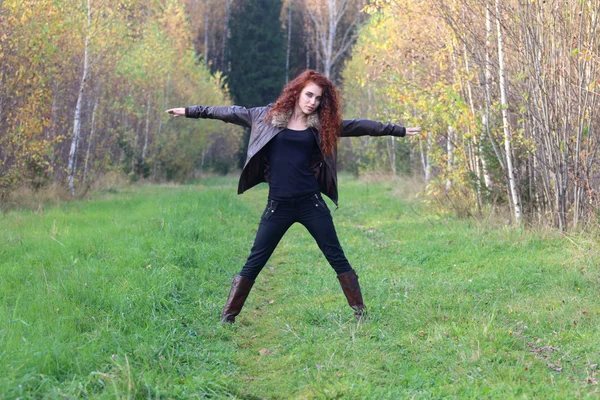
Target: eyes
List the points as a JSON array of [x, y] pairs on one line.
[[311, 95]]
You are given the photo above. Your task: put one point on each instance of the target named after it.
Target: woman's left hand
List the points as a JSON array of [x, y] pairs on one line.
[[413, 131]]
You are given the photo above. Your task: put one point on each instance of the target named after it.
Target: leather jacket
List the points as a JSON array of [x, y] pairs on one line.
[[256, 168]]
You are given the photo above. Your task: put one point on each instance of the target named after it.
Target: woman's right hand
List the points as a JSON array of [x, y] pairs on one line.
[[176, 112], [413, 131]]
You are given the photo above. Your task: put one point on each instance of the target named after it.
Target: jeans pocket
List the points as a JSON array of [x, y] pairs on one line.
[[269, 209], [320, 204]]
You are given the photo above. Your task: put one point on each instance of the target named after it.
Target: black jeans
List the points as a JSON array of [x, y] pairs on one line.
[[312, 212]]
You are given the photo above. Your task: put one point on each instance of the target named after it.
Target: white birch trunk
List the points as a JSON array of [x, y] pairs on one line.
[[477, 143], [425, 158], [205, 53], [450, 156], [77, 116], [487, 85], [507, 134], [331, 33], [329, 45], [486, 175], [289, 42], [134, 158], [202, 159], [428, 157], [146, 133], [307, 52], [224, 67], [165, 102], [90, 139], [393, 154]]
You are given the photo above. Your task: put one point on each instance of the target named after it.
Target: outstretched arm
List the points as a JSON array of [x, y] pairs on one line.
[[367, 127], [232, 114]]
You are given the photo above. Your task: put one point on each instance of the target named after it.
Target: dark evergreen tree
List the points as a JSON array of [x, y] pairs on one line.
[[256, 52]]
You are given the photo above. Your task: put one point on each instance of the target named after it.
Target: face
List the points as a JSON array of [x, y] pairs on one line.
[[310, 98]]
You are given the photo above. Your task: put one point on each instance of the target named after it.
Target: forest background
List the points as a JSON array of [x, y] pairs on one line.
[[506, 91]]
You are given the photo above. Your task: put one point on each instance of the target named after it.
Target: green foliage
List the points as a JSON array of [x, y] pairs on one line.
[[402, 74], [120, 297], [141, 62], [257, 53]]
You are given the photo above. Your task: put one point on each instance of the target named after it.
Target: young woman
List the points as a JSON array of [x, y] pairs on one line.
[[293, 147]]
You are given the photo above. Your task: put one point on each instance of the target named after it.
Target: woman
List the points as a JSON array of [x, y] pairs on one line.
[[293, 147]]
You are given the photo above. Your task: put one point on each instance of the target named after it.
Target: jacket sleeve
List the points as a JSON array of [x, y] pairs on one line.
[[367, 127], [233, 114]]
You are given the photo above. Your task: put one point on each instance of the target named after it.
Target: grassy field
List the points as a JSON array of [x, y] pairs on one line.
[[120, 296]]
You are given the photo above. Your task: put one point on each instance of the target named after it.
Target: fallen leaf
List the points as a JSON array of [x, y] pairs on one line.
[[555, 367]]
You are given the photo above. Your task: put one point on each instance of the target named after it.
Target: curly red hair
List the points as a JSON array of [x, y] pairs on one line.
[[330, 115]]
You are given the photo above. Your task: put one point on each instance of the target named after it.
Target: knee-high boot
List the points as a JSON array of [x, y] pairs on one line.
[[240, 288], [349, 282]]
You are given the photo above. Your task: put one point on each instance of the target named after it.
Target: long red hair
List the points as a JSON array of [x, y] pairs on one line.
[[330, 115]]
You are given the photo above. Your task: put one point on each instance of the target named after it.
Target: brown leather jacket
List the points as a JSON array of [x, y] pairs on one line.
[[256, 168]]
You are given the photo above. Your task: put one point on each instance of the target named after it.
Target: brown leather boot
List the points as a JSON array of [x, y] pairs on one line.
[[349, 282], [240, 288]]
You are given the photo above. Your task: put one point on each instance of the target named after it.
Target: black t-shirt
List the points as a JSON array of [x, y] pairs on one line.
[[289, 154]]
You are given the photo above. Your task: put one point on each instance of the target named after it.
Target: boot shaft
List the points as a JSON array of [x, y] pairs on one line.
[[351, 288], [240, 289]]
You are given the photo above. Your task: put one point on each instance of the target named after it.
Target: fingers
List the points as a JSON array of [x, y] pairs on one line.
[[176, 112], [413, 131]]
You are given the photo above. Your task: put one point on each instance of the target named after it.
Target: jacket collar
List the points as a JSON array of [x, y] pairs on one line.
[[280, 120]]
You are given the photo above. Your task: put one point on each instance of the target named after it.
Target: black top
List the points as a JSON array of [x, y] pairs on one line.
[[289, 154]]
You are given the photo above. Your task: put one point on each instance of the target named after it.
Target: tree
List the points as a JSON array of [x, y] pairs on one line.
[[209, 27], [533, 138], [256, 53], [300, 55], [83, 91], [80, 95], [333, 24], [512, 184]]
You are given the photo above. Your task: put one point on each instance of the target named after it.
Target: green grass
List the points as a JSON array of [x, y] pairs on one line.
[[120, 297]]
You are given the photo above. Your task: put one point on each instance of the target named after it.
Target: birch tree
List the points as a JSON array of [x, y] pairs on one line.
[[290, 6], [516, 202], [90, 141], [57, 126], [334, 23], [538, 66], [450, 155], [78, 107]]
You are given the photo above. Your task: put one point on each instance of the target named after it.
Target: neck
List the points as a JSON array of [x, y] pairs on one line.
[[298, 120], [298, 116]]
